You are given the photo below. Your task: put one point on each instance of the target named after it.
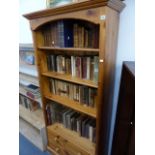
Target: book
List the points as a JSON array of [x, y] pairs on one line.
[[79, 93], [78, 68], [32, 88], [75, 31], [88, 68], [84, 125], [96, 68], [73, 65]]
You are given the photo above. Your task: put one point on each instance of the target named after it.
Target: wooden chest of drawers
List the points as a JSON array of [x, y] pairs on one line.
[[64, 142]]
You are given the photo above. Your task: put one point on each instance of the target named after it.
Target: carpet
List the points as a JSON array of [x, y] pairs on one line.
[[27, 148]]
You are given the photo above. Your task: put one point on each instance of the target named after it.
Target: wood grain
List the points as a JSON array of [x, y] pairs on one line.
[[72, 104], [71, 79], [89, 11], [69, 141], [114, 4]]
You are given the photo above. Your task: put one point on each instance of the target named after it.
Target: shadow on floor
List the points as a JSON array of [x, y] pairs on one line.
[[27, 148]]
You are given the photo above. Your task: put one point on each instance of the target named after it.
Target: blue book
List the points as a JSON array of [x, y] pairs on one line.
[[68, 33], [65, 33]]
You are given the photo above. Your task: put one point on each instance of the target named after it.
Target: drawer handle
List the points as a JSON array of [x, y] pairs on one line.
[[56, 139], [57, 149]]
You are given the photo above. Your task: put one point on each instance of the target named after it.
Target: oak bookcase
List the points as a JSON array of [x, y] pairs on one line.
[[104, 14]]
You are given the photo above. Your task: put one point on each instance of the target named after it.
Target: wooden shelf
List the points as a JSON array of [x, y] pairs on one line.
[[35, 118], [28, 131], [23, 92], [28, 78], [92, 50], [72, 104], [28, 69], [71, 137], [69, 78]]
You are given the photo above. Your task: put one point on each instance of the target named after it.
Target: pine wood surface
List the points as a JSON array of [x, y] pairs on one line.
[[106, 99], [69, 78], [106, 14], [71, 140], [70, 49], [114, 4], [72, 104]]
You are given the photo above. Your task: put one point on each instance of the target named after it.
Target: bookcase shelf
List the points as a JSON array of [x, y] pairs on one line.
[[92, 50], [23, 92], [69, 78], [28, 78], [35, 118], [65, 36], [72, 104], [28, 69]]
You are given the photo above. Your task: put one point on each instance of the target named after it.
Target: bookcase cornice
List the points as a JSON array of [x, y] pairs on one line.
[[114, 4]]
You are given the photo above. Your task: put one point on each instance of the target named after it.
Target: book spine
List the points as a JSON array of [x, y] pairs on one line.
[[96, 65], [88, 68], [75, 32]]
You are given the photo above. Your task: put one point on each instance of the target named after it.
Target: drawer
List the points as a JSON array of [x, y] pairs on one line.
[[64, 147]]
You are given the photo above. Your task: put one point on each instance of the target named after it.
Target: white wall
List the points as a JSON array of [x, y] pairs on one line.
[[27, 6], [125, 50]]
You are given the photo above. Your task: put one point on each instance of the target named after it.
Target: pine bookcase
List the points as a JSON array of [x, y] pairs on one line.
[[105, 15]]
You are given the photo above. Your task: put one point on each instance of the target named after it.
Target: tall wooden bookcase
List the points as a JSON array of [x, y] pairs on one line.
[[104, 14]]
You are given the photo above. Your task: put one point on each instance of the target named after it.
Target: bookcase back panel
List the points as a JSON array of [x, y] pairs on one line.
[[69, 33]]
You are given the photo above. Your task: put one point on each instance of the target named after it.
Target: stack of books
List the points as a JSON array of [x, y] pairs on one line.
[[82, 67], [84, 125], [32, 91], [69, 33], [82, 94], [28, 103]]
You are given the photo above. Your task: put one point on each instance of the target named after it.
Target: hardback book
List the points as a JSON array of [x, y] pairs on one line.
[[75, 30], [73, 66], [96, 65], [32, 95], [78, 67], [32, 88], [48, 114]]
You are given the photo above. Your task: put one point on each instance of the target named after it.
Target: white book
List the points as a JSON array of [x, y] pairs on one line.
[[88, 68], [91, 133], [73, 65]]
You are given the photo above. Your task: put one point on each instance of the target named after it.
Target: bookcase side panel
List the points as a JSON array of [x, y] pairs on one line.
[[111, 33], [101, 74], [37, 40]]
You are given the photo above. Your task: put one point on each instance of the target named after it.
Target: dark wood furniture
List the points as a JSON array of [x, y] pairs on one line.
[[124, 134]]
